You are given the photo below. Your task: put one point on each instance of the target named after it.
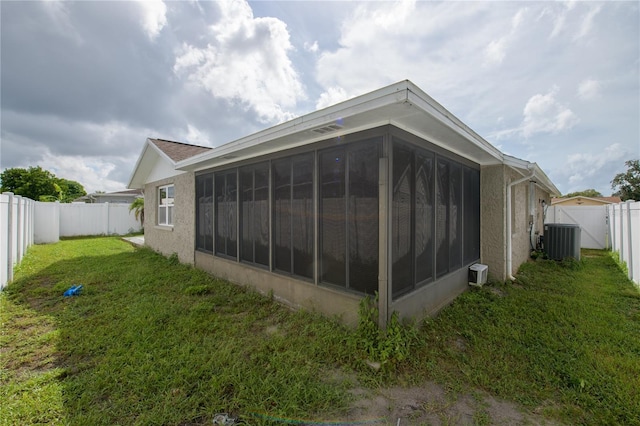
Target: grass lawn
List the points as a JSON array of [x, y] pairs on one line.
[[150, 341]]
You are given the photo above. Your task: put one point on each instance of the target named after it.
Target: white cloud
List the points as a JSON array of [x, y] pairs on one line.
[[246, 60], [196, 136], [59, 13], [91, 172], [311, 47], [587, 22], [154, 16], [544, 114], [582, 166], [589, 89], [331, 96], [496, 50]]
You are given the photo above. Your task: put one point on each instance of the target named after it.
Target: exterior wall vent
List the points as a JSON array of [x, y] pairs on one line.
[[562, 240], [327, 129]]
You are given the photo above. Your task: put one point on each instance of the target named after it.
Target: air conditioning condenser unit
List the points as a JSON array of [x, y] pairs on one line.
[[478, 274]]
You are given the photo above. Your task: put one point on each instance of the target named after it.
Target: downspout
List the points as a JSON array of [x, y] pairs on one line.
[[508, 236]]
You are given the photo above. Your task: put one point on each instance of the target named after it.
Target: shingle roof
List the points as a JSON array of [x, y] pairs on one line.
[[606, 200], [178, 151]]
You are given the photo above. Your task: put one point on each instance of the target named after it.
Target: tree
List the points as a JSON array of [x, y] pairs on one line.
[[628, 183], [39, 184], [138, 209], [586, 193]]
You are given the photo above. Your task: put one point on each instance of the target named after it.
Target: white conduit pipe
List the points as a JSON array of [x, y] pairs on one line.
[[508, 236]]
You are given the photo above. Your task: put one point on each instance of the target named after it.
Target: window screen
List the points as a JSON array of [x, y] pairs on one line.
[[455, 216], [402, 267], [442, 217], [363, 220], [333, 212], [254, 184], [424, 221], [349, 216], [204, 212], [293, 215], [226, 210]]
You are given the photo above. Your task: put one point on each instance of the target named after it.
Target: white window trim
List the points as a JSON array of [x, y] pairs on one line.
[[170, 202]]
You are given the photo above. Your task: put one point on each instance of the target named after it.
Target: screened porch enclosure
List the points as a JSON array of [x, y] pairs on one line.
[[314, 215]]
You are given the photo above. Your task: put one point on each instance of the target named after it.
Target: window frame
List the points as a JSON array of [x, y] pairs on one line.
[[168, 206]]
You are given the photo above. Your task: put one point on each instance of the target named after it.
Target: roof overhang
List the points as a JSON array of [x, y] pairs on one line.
[[403, 105], [145, 164], [526, 168]]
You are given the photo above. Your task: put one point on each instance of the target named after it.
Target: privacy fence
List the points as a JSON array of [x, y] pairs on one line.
[[624, 228], [614, 226], [24, 222]]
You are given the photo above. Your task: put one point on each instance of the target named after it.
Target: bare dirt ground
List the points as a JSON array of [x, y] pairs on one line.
[[431, 404]]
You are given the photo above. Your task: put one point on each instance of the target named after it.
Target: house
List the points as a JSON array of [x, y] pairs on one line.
[[585, 201], [126, 197], [387, 192]]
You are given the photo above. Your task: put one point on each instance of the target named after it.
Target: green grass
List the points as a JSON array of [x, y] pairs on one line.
[[150, 341]]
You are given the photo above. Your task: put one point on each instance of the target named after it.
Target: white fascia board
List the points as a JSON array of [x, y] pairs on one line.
[[538, 173], [425, 102], [131, 184]]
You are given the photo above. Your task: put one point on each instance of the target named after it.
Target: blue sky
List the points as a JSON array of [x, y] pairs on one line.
[[85, 83]]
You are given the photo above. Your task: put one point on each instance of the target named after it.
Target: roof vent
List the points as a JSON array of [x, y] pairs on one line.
[[327, 129]]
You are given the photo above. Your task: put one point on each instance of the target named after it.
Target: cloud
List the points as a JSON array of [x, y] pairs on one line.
[[154, 16], [245, 60], [331, 96], [589, 89], [587, 23], [92, 173], [495, 51], [544, 114], [583, 167], [311, 47]]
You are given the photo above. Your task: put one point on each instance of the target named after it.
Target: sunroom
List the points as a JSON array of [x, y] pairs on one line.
[[381, 194]]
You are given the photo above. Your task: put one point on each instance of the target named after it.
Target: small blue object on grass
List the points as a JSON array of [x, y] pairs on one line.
[[73, 291]]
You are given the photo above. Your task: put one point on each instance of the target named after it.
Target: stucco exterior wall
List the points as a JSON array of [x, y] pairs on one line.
[[493, 217], [180, 238], [492, 221]]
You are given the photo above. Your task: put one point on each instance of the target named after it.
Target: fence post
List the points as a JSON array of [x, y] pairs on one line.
[[9, 236], [630, 239]]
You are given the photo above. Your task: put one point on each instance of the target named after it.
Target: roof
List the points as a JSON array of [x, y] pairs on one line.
[[159, 158], [403, 105], [178, 151], [603, 200], [133, 193]]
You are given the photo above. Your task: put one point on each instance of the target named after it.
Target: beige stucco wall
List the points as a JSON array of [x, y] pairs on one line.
[[492, 221], [493, 217], [180, 238]]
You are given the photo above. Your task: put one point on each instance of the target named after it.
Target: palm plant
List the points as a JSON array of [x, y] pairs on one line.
[[138, 209]]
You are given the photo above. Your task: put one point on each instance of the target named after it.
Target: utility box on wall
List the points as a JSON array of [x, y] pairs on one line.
[[562, 240], [478, 274]]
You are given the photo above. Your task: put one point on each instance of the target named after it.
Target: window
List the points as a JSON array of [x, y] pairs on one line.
[[412, 218], [435, 216], [349, 216], [226, 210], [254, 214], [293, 228], [165, 205], [204, 213]]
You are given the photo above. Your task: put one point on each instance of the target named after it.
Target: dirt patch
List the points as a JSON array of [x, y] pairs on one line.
[[431, 404]]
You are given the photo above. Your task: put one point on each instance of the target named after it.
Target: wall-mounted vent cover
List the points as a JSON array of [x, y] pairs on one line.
[[562, 240], [327, 129]]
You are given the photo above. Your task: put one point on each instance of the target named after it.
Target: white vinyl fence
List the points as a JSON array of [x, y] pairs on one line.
[[16, 232], [624, 227], [24, 222], [614, 226], [592, 220]]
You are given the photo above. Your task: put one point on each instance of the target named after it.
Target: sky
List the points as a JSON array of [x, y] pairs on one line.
[[84, 84]]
